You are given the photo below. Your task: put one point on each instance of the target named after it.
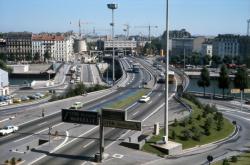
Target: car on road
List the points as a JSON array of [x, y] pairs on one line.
[[40, 95], [24, 98], [72, 81], [144, 99], [33, 97], [8, 129], [3, 103], [76, 105], [17, 100]]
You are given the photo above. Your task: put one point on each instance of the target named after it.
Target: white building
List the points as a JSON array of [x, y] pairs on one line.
[[226, 45], [207, 49], [4, 83], [59, 47], [120, 44]]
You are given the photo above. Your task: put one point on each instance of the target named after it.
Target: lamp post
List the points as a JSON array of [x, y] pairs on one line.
[[113, 6], [165, 137]]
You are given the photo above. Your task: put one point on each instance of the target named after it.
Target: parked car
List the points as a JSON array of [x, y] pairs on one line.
[[25, 98], [76, 105], [40, 95], [17, 100], [3, 103], [144, 99], [8, 129], [33, 97]]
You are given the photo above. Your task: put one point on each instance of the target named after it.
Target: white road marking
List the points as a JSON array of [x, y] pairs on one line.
[[4, 120], [131, 106], [22, 138], [88, 144], [42, 123], [150, 102], [135, 113]]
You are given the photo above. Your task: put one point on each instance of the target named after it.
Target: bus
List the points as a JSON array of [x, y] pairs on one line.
[[162, 79], [136, 67]]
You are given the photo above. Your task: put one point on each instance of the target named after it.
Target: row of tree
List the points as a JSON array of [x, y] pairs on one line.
[[25, 57], [241, 80]]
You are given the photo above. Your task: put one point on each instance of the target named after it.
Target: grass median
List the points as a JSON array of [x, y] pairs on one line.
[[204, 125], [128, 100], [243, 159]]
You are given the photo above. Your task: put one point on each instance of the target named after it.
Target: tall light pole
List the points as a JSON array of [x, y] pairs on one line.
[[113, 6], [165, 137]]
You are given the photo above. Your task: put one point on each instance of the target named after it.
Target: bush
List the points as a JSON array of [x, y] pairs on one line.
[[19, 159], [198, 117], [225, 162], [186, 134], [173, 135], [196, 133], [184, 122], [13, 161], [6, 161], [234, 159], [175, 122], [193, 99]]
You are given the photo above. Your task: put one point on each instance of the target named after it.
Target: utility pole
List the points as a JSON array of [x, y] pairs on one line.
[[248, 27], [113, 6], [127, 27], [165, 137]]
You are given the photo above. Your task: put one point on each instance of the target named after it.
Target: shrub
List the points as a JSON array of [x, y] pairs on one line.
[[198, 117], [173, 135], [193, 99], [19, 159], [13, 161], [175, 122], [225, 162], [186, 134], [6, 161], [184, 122], [196, 133], [234, 159]]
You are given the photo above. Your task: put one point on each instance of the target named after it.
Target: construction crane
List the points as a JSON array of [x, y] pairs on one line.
[[149, 27], [127, 27], [79, 24], [248, 27]]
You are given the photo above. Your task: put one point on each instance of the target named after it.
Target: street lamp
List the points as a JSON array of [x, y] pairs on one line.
[[113, 6], [165, 137]]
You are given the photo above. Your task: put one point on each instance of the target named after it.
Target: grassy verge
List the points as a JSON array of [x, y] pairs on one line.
[[243, 159], [204, 125], [129, 100]]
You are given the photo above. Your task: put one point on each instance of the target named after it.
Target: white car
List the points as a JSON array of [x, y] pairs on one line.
[[8, 129], [144, 99], [3, 103]]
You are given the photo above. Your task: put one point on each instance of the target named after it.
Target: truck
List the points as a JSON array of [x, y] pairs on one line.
[[8, 129]]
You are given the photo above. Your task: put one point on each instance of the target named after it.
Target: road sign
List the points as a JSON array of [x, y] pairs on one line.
[[81, 117], [235, 90], [246, 90], [114, 114], [129, 124]]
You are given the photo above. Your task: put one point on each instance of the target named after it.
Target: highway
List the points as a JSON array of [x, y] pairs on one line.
[[83, 149]]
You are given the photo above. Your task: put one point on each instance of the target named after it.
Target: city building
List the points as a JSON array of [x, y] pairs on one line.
[[197, 43], [18, 45], [181, 46], [179, 34], [59, 47], [207, 49], [4, 83], [226, 45], [126, 46], [244, 48], [3, 48]]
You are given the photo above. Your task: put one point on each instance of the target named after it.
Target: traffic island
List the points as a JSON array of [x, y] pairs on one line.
[[169, 148], [204, 125]]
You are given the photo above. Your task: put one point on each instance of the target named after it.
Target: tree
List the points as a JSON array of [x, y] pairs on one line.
[[36, 56], [12, 57], [5, 67], [224, 80], [195, 59], [3, 57], [216, 60], [204, 80], [173, 135], [227, 59], [28, 57], [47, 56], [241, 80], [206, 59]]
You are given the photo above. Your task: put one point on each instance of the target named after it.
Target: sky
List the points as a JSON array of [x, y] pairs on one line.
[[200, 17]]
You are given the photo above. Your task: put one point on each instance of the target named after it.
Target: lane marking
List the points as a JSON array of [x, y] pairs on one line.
[[135, 113], [88, 144], [4, 120], [22, 138], [42, 123], [150, 102]]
